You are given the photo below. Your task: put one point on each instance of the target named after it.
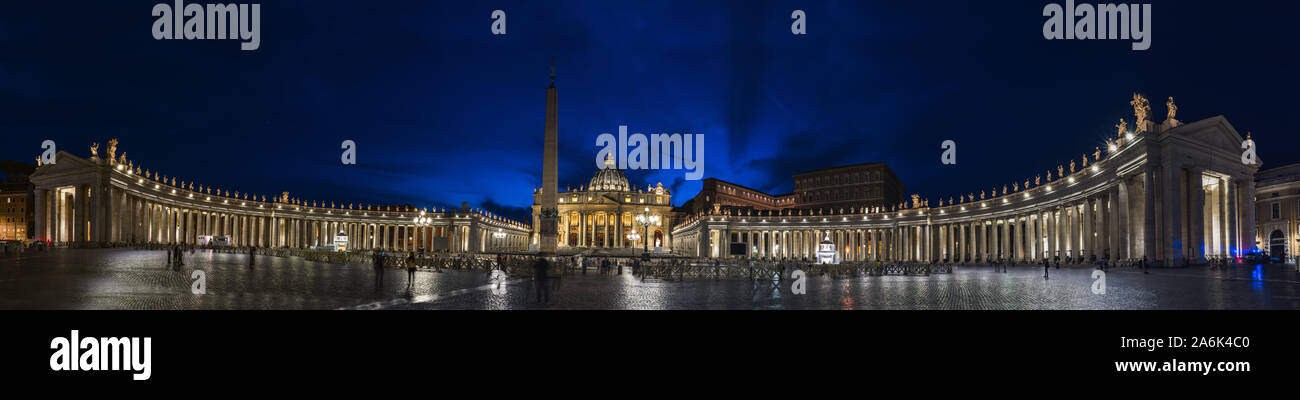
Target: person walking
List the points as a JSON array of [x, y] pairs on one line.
[[541, 272], [1045, 267], [252, 256], [410, 271]]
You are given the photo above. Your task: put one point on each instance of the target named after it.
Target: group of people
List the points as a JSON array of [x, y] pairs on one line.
[[176, 256], [16, 248], [602, 265]]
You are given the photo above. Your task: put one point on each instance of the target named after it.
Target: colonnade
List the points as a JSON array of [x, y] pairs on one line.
[[610, 229], [1116, 220], [101, 204]]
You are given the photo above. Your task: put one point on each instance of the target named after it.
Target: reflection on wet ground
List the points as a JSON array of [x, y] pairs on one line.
[[140, 279]]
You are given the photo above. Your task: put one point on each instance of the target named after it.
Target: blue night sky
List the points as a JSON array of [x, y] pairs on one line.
[[443, 111]]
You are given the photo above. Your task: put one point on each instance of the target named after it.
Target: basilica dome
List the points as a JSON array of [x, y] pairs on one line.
[[609, 179]]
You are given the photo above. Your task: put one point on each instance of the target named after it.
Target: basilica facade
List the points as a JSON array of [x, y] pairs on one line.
[[609, 214], [1173, 193]]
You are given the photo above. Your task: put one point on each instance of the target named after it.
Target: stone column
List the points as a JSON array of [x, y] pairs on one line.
[[79, 214], [1222, 217], [1235, 243], [1174, 245], [1195, 216], [1247, 204], [41, 214], [1089, 245], [1062, 230], [1004, 236], [1149, 215]]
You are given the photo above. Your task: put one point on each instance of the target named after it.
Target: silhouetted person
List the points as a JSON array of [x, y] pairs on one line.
[[1045, 268], [410, 271], [379, 269], [604, 266], [252, 256], [1145, 267], [541, 272]]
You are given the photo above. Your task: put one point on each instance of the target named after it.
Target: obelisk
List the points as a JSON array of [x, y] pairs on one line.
[[550, 175]]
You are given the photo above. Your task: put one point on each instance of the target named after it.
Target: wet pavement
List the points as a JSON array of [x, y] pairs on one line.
[[140, 279]]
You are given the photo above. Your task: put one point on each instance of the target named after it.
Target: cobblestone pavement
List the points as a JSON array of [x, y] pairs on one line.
[[140, 279]]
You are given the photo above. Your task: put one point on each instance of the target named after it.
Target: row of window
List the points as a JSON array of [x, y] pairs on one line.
[[829, 195], [841, 179], [18, 219]]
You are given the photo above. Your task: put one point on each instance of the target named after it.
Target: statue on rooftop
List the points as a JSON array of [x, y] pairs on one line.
[[1142, 110]]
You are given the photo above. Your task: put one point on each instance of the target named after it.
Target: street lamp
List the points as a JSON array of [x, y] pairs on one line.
[[422, 222], [646, 219]]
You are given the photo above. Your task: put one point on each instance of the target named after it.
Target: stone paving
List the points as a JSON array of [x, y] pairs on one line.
[[140, 279]]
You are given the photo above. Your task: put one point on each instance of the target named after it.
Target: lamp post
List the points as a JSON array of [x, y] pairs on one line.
[[423, 222], [646, 219], [498, 235], [633, 236]]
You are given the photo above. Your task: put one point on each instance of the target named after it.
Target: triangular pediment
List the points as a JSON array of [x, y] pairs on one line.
[[1215, 132], [64, 163]]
